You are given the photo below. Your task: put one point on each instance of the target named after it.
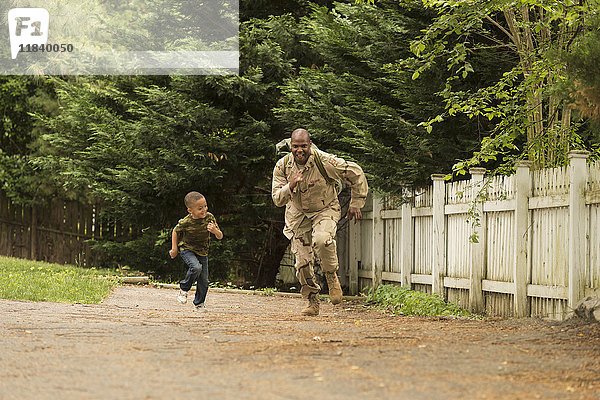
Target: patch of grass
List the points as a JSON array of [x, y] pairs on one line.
[[40, 281], [221, 285], [267, 291], [403, 301]]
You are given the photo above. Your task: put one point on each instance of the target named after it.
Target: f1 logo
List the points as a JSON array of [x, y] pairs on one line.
[[27, 26]]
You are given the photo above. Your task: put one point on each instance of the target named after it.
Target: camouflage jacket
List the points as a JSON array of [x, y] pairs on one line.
[[193, 235], [314, 195]]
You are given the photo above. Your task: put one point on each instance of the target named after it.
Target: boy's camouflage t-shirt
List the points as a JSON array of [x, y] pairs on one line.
[[193, 235]]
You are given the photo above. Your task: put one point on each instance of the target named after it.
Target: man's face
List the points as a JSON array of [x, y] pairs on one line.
[[198, 209], [301, 148]]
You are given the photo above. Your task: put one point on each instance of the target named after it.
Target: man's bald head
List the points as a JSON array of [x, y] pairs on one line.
[[300, 145], [300, 134]]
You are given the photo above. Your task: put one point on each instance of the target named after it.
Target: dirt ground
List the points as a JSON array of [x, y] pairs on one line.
[[141, 344]]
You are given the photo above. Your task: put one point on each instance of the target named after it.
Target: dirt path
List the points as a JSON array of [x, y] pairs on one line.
[[142, 344]]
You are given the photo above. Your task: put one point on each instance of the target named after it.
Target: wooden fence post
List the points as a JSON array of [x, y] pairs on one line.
[[521, 221], [407, 245], [378, 251], [438, 268], [476, 303], [33, 234], [578, 221], [354, 239]]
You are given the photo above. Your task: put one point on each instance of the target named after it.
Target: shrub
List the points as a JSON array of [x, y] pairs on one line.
[[403, 301]]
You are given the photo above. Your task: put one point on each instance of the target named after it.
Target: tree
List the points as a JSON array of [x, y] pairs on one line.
[[582, 82], [353, 106], [20, 97], [139, 144], [523, 104]]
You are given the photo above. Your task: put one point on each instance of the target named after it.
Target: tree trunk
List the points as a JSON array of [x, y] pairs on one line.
[[267, 272], [547, 136]]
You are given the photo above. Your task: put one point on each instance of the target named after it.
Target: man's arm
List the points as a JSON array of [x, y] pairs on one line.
[[351, 173], [281, 192]]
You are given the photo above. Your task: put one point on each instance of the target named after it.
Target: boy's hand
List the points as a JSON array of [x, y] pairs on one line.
[[211, 227], [173, 253]]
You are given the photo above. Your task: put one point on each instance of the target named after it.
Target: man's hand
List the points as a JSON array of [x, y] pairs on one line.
[[354, 212], [297, 177], [173, 253]]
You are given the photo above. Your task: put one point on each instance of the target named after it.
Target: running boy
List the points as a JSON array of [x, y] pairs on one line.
[[192, 237]]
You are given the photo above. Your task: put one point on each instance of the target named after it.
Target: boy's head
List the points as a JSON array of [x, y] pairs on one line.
[[196, 205]]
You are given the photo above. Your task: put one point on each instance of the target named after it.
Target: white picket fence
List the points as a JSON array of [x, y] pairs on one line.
[[537, 251]]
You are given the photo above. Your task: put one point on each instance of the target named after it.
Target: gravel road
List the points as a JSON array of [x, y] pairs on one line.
[[141, 344]]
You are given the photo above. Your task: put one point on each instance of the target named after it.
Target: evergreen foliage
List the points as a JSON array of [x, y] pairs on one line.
[[137, 145], [353, 75], [21, 96], [354, 108]]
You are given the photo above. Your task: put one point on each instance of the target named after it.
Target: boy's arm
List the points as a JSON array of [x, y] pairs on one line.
[[174, 250]]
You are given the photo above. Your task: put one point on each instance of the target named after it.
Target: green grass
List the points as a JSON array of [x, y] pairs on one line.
[[39, 281], [403, 301]]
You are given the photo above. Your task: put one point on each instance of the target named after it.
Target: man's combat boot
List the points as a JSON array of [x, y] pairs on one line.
[[335, 290], [313, 305]]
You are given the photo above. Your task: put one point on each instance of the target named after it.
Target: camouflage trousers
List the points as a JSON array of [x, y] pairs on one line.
[[315, 234]]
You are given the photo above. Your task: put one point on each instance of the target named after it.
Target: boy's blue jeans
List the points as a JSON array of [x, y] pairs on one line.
[[197, 272]]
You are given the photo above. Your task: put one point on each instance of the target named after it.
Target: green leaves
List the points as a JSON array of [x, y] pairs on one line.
[[403, 301], [138, 144], [522, 104], [365, 98]]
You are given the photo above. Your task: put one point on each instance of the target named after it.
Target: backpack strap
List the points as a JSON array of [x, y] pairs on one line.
[[286, 159], [321, 168], [335, 182]]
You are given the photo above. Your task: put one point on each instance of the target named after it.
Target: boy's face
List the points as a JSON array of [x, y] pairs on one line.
[[198, 209]]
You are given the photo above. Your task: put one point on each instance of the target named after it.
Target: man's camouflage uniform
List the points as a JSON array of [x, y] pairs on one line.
[[312, 210]]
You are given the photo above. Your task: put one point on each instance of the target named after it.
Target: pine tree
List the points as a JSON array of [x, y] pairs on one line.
[[355, 107], [138, 144]]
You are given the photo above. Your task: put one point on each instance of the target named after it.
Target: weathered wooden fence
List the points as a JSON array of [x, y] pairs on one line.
[[58, 233], [536, 250]]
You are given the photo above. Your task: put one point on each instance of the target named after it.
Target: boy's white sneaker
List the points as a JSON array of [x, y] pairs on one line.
[[182, 297], [201, 308]]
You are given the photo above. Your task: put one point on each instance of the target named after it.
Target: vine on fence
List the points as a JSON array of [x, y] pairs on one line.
[[473, 214]]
